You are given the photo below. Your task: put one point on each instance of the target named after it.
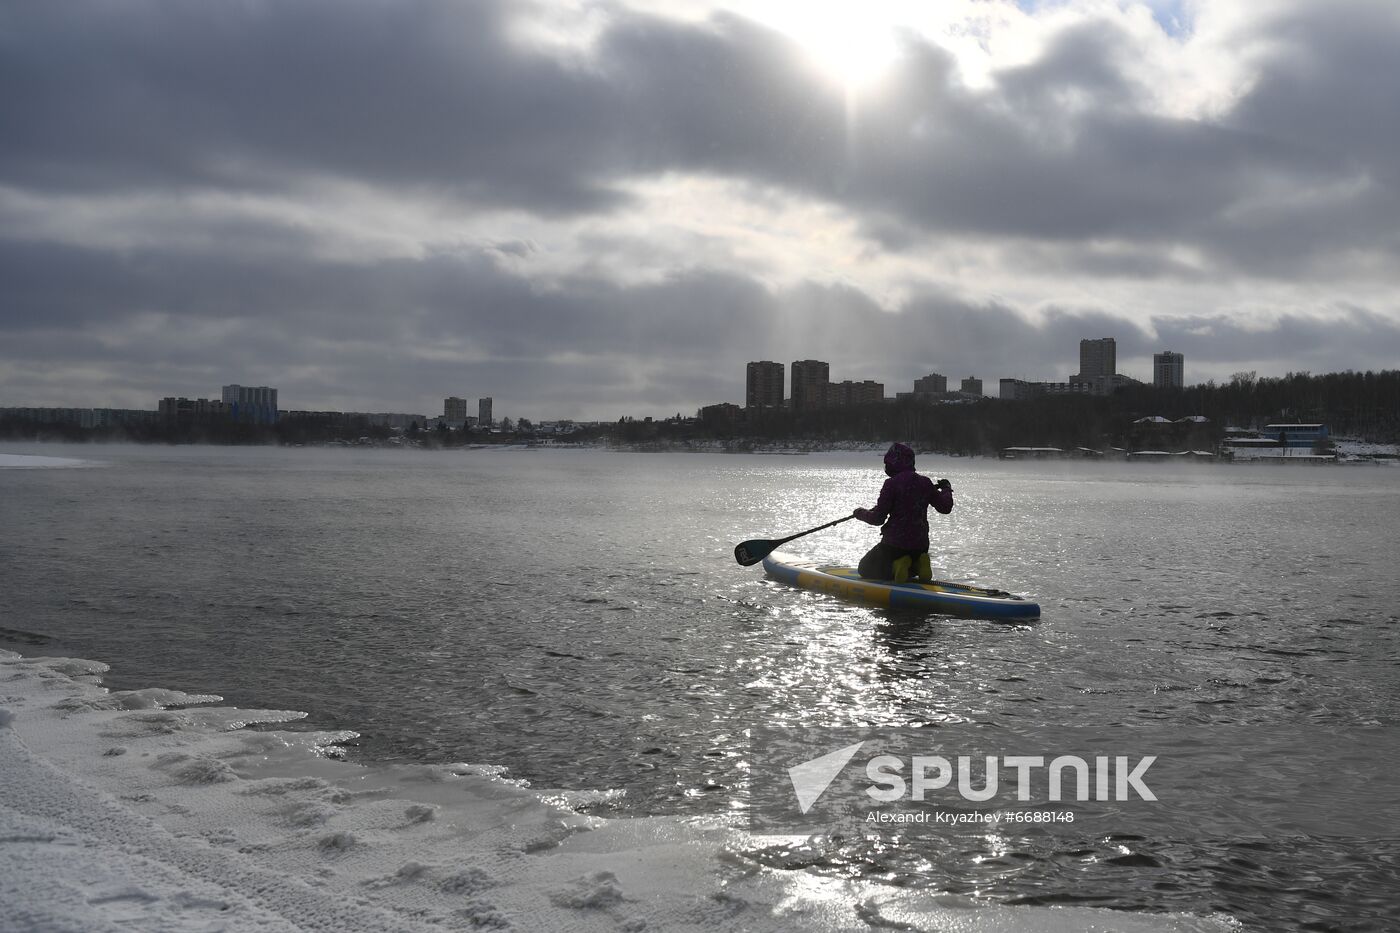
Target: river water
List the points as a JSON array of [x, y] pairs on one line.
[[577, 618]]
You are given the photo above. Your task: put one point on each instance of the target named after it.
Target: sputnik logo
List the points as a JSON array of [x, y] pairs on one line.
[[810, 779]]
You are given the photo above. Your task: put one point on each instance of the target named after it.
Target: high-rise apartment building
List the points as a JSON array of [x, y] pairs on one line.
[[1098, 357], [1168, 370], [251, 404], [1098, 367], [764, 385], [483, 412], [932, 384], [454, 411], [972, 386], [809, 381]]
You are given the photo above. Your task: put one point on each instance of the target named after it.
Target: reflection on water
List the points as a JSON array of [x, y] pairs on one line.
[[578, 618]]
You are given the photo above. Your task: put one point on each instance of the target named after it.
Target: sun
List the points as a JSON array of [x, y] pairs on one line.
[[856, 43]]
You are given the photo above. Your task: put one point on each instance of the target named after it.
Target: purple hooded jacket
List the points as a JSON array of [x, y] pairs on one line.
[[904, 500]]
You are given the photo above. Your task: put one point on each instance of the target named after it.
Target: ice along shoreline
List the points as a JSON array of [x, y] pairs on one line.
[[161, 810]]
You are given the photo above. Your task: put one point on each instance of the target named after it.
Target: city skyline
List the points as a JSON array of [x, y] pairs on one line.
[[811, 385], [968, 186], [1097, 358]]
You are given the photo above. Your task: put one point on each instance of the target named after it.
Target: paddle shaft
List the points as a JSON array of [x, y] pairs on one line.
[[748, 553]]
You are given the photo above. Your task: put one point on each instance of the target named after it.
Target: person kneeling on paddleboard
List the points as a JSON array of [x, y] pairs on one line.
[[902, 513]]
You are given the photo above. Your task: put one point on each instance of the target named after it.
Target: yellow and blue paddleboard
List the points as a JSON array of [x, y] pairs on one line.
[[955, 599]]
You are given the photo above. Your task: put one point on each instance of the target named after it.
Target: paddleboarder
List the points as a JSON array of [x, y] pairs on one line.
[[902, 514]]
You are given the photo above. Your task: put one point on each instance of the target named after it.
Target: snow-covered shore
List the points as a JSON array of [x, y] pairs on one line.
[[157, 810]]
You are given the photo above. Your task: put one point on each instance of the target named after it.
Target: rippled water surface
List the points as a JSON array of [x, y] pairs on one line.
[[577, 617]]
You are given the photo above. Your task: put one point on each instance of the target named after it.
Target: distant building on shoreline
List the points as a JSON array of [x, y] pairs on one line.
[[454, 411], [1017, 389], [182, 410], [251, 404], [1098, 357], [724, 414], [83, 417], [1098, 367], [809, 381], [483, 413], [1168, 370], [971, 386], [763, 385], [931, 385], [841, 394]]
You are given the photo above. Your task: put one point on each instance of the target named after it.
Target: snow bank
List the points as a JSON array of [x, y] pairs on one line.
[[1354, 448], [156, 810]]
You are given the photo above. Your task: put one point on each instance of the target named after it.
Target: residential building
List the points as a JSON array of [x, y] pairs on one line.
[[81, 417], [1168, 370], [200, 409], [930, 385], [1098, 367], [724, 413], [1019, 389], [251, 404], [454, 411], [397, 420], [556, 427], [971, 386], [119, 417], [764, 385], [483, 413], [1098, 357], [809, 382], [1101, 385], [1065, 388], [855, 393]]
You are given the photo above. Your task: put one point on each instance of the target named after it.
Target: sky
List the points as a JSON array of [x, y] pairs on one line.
[[595, 209]]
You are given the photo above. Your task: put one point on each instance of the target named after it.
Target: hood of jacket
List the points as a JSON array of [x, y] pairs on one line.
[[898, 459]]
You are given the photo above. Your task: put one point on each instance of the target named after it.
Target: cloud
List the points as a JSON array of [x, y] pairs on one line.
[[422, 93], [340, 335], [381, 203], [1290, 342], [436, 95]]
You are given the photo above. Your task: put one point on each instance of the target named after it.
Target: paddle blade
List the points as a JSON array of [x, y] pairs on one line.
[[748, 553]]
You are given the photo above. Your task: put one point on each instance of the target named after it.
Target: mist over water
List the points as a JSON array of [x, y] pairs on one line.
[[577, 618]]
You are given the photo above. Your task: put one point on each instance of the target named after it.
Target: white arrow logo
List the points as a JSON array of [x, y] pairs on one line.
[[811, 778]]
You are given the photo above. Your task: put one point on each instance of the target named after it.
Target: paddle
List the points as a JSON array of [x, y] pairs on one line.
[[748, 553]]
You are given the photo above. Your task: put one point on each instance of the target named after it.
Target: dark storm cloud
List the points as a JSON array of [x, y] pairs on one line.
[[463, 299], [419, 92]]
